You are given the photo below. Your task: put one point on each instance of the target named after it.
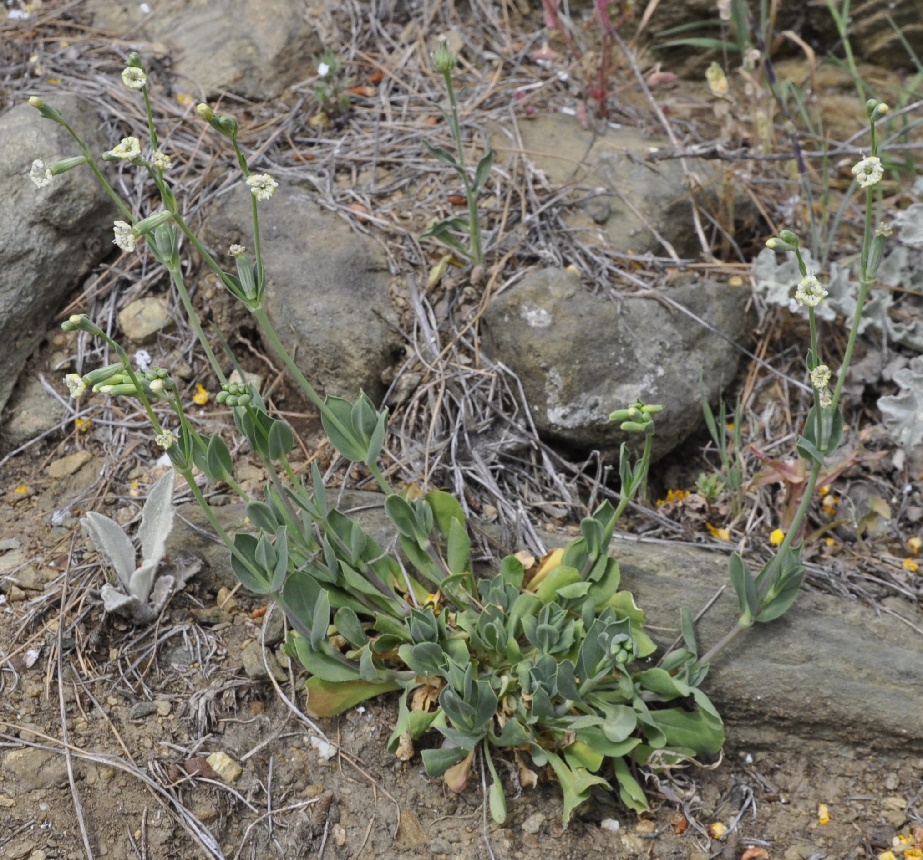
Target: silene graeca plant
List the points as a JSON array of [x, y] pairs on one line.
[[446, 231], [546, 664]]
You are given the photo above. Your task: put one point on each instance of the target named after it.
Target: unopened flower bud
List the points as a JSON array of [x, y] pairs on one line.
[[204, 111], [444, 59], [152, 222], [36, 102]]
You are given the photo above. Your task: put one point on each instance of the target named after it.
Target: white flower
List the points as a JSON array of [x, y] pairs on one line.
[[40, 174], [133, 78], [124, 236], [75, 385], [143, 359], [237, 250], [868, 171], [810, 292], [165, 440], [161, 160], [821, 376], [129, 148], [323, 69], [826, 399], [262, 185]]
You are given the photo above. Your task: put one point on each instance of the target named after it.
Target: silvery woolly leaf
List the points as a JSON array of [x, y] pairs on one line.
[[903, 413], [142, 580], [161, 593], [910, 222], [115, 601], [112, 543], [157, 520]]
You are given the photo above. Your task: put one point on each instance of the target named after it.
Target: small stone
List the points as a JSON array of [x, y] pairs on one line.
[[30, 579], [68, 465], [225, 599], [251, 658], [143, 318], [610, 824], [210, 615], [801, 851], [8, 543], [339, 835], [440, 846], [533, 823], [599, 209], [141, 710], [163, 707], [222, 764], [33, 769], [15, 594]]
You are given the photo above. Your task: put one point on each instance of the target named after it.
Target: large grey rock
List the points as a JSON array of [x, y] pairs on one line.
[[633, 201], [251, 49], [49, 237], [580, 356], [326, 288]]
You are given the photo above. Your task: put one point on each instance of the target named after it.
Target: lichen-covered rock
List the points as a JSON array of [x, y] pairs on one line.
[[49, 237], [581, 355], [326, 288]]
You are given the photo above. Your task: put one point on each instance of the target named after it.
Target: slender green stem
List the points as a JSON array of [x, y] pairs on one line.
[[98, 173], [270, 333], [865, 284], [177, 277]]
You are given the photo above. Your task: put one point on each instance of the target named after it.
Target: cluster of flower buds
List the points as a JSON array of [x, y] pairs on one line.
[[234, 394], [638, 418], [114, 379]]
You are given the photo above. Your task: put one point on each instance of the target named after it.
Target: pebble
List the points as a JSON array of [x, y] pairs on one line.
[[15, 594], [801, 851], [30, 579], [141, 710], [533, 823], [222, 764], [33, 769], [164, 707], [144, 317], [68, 465], [440, 846], [251, 658]]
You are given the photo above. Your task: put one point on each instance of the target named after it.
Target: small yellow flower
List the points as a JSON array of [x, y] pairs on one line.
[[888, 855], [830, 541], [915, 544], [720, 534], [913, 854], [716, 830], [21, 490], [777, 537], [82, 424], [673, 496], [200, 398], [830, 504], [824, 490], [910, 565], [823, 814]]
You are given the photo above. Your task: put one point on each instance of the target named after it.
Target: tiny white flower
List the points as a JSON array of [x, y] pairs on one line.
[[144, 9], [124, 236], [821, 376], [143, 359], [237, 250], [133, 78], [262, 185], [868, 171], [75, 385], [40, 174], [129, 148], [810, 292], [165, 440], [161, 160], [323, 69]]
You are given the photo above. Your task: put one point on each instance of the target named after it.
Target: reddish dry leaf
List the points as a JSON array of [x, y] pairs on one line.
[[457, 199], [755, 854], [377, 76], [679, 823], [457, 776], [368, 92]]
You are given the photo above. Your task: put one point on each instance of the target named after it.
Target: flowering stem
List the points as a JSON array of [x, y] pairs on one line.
[[865, 284], [99, 175], [266, 326], [176, 275]]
